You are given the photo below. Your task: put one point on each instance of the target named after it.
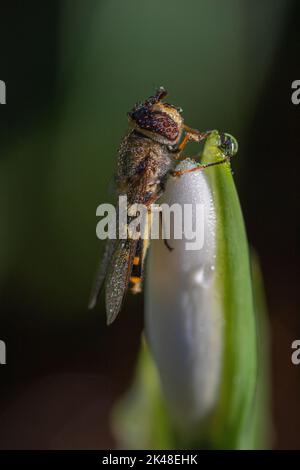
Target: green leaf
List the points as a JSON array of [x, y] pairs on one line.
[[233, 285], [140, 420]]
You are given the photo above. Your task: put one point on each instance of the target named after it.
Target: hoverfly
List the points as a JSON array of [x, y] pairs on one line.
[[148, 154]]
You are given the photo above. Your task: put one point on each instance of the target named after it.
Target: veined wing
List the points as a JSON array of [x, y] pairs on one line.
[[117, 261], [120, 270], [101, 273], [118, 277]]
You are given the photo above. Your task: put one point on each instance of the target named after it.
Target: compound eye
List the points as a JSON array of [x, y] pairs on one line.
[[228, 144], [156, 122]]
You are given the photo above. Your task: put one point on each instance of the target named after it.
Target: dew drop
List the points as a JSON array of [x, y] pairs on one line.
[[199, 276]]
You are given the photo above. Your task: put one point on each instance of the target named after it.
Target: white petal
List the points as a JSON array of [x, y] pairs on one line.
[[184, 326]]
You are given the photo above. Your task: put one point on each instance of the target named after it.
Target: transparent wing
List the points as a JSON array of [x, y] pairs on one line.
[[101, 273], [118, 277], [117, 261]]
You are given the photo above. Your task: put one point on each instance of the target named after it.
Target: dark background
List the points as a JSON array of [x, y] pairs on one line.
[[73, 69]]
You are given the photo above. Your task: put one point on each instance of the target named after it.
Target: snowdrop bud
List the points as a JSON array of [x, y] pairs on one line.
[[184, 323]]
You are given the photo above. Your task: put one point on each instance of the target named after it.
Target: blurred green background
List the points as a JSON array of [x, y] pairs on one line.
[[73, 69]]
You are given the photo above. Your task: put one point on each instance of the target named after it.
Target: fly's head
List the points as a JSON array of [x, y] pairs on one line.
[[160, 121]]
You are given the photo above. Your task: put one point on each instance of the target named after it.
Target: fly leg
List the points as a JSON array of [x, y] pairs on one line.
[[170, 248], [161, 231], [199, 167], [190, 135]]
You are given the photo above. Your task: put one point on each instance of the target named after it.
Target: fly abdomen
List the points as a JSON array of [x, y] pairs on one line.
[[136, 271]]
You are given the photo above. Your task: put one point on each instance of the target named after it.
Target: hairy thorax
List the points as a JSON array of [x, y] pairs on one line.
[[143, 166]]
